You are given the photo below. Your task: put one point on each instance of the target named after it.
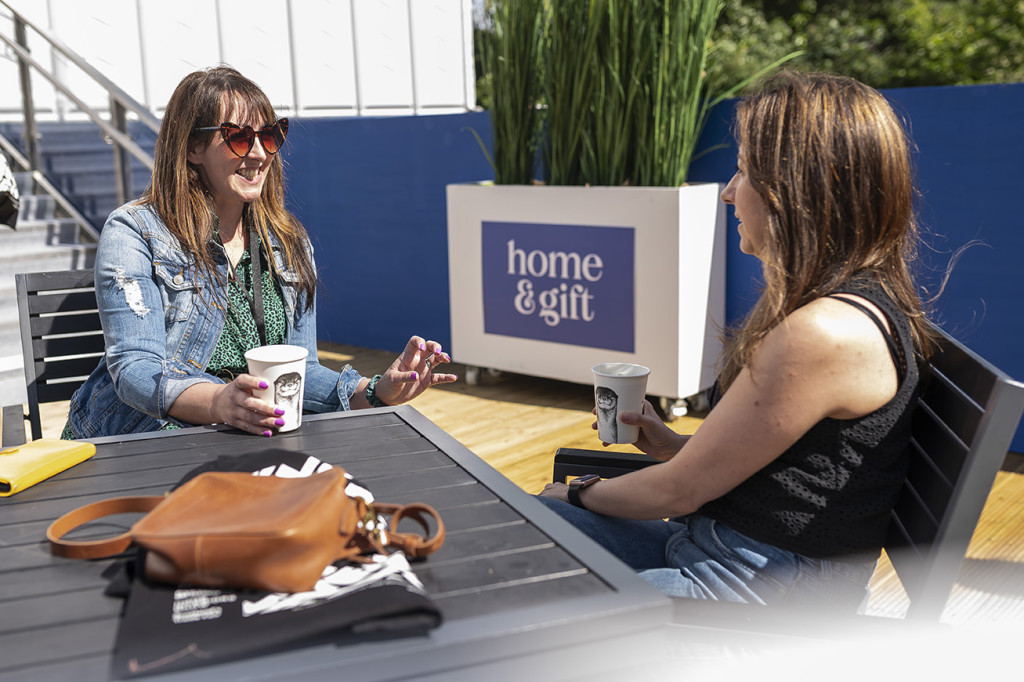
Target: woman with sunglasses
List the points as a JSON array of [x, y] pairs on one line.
[[783, 495], [207, 264]]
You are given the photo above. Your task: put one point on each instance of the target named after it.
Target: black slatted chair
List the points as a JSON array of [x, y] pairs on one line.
[[962, 428], [61, 340]]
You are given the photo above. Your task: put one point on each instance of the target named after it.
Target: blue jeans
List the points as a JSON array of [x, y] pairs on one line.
[[697, 557]]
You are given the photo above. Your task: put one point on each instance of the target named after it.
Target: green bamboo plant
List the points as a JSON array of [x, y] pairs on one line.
[[616, 94], [511, 52], [568, 90]]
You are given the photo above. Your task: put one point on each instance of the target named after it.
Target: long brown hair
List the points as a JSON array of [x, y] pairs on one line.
[[832, 162], [178, 195]]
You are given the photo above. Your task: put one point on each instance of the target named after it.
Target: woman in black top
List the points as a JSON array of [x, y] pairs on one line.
[[783, 494]]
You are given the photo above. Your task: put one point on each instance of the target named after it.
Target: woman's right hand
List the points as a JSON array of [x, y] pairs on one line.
[[241, 409], [656, 439], [232, 403]]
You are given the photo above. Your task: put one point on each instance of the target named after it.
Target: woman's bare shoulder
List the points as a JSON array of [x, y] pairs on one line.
[[828, 321], [832, 344]]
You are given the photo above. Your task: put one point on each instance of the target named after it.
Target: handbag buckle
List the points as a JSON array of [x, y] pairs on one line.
[[371, 521]]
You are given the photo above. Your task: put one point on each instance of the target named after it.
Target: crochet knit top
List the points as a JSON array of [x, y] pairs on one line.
[[832, 492]]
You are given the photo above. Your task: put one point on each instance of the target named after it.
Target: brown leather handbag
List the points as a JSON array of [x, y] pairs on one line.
[[237, 530]]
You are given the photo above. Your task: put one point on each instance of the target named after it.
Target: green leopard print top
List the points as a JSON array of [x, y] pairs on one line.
[[240, 333]]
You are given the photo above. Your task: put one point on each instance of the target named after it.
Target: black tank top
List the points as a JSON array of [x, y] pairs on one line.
[[832, 492]]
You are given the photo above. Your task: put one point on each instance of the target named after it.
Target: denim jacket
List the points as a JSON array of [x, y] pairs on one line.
[[162, 316]]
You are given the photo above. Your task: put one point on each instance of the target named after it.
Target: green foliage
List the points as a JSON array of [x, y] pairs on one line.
[[885, 43], [681, 98], [484, 80], [510, 54], [623, 87], [571, 55]]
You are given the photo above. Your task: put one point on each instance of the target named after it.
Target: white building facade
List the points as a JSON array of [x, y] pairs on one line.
[[312, 57]]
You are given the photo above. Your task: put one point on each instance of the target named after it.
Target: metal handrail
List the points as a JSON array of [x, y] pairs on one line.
[[116, 129], [126, 100], [118, 136]]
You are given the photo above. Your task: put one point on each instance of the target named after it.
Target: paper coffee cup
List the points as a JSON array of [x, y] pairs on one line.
[[618, 387], [283, 367]]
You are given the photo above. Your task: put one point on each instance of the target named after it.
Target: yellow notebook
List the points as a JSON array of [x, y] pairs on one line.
[[22, 466]]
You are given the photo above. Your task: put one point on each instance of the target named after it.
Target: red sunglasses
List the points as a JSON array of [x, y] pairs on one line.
[[240, 138]]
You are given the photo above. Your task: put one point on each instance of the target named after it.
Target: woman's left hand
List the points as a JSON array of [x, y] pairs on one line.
[[557, 491], [413, 372]]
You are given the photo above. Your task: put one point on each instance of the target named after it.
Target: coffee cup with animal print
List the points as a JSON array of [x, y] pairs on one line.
[[618, 387], [283, 368]]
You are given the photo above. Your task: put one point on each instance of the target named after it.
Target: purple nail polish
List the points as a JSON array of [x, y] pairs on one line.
[[264, 385], [415, 376], [279, 422], [422, 347], [278, 410], [267, 434]]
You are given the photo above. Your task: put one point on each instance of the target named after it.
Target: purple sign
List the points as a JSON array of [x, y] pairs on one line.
[[562, 283]]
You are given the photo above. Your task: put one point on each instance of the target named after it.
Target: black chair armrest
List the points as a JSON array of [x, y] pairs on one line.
[[14, 426], [571, 462]]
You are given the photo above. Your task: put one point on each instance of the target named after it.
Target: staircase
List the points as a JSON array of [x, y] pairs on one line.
[[80, 164]]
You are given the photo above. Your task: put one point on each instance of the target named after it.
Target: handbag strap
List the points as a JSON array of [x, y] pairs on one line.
[[102, 548], [413, 544]]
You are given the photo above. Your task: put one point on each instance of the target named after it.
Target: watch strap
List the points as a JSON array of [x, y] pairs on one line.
[[576, 485]]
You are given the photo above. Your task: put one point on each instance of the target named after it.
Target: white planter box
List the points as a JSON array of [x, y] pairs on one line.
[[549, 281]]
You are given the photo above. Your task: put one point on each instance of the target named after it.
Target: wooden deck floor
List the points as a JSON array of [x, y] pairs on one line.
[[516, 422]]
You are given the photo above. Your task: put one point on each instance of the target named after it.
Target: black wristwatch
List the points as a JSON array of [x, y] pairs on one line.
[[578, 484]]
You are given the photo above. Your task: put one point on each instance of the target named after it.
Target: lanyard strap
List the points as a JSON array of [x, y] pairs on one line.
[[256, 301]]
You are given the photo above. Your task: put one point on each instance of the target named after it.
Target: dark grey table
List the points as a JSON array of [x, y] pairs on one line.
[[524, 595]]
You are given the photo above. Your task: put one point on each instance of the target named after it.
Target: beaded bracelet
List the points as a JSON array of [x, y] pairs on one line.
[[371, 395]]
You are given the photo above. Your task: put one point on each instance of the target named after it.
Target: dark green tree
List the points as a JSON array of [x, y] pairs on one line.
[[885, 43]]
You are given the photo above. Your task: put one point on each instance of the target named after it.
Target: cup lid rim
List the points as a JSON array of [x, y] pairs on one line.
[[259, 353], [598, 369]]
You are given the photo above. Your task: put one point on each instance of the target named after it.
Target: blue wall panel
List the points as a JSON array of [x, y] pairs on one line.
[[971, 176], [371, 193]]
